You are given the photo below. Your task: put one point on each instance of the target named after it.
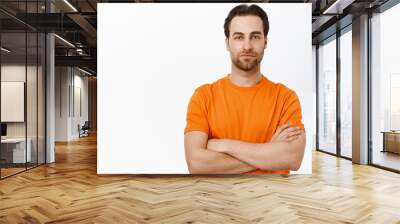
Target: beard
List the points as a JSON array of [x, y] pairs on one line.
[[249, 64]]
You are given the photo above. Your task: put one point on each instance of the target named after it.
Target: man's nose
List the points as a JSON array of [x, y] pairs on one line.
[[247, 44]]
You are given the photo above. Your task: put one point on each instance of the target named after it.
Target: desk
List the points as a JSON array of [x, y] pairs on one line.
[[15, 148], [391, 141]]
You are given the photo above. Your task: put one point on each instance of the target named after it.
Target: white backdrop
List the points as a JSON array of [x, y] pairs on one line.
[[151, 58]]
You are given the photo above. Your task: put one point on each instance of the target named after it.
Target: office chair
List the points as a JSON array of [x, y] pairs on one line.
[[84, 130]]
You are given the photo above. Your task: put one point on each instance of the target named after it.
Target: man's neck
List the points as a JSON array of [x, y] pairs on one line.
[[245, 78]]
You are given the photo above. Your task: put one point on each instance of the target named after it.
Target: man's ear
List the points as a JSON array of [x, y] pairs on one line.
[[266, 41], [227, 43]]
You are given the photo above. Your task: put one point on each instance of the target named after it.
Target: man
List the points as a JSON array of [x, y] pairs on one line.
[[244, 123]]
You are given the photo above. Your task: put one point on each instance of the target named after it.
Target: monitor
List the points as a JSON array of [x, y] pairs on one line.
[[3, 129]]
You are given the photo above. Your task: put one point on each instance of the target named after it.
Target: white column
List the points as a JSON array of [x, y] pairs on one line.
[[360, 89], [50, 93]]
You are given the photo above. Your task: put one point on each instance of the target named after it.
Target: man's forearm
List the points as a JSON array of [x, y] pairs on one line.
[[266, 156], [207, 162]]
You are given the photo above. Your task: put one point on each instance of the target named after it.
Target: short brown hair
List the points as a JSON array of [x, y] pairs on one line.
[[244, 10]]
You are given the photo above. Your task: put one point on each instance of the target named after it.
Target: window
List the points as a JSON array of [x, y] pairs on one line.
[[327, 96], [346, 93], [385, 88], [22, 77]]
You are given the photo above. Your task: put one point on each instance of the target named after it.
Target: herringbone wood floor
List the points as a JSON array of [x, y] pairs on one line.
[[70, 191]]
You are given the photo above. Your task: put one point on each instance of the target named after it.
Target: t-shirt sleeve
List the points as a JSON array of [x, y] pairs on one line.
[[292, 111], [196, 117]]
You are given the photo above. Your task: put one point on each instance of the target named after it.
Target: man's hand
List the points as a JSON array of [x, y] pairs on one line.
[[285, 133]]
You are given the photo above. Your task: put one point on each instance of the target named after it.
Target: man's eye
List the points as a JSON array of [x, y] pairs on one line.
[[256, 37], [238, 37]]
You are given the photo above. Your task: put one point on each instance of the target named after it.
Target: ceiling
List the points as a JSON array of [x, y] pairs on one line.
[[76, 22]]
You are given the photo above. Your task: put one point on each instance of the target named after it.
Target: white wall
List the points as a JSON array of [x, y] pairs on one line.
[[151, 57], [68, 81], [314, 72], [80, 83], [61, 103]]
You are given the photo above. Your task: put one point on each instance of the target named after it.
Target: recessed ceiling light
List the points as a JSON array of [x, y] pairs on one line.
[[70, 5], [86, 72], [337, 7], [5, 50], [64, 40]]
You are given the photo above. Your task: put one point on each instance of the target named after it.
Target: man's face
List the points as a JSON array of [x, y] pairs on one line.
[[246, 42]]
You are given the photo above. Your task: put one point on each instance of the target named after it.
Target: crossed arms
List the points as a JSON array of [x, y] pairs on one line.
[[284, 152]]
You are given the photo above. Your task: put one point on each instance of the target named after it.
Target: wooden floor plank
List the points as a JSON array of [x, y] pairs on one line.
[[70, 191]]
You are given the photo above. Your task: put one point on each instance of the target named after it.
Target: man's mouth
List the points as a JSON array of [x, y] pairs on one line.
[[248, 55]]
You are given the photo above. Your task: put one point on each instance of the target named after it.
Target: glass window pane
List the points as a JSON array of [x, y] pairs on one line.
[[41, 98], [386, 88], [22, 88], [346, 94], [327, 97], [14, 152], [32, 95]]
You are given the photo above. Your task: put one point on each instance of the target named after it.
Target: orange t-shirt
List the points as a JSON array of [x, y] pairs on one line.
[[224, 110]]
